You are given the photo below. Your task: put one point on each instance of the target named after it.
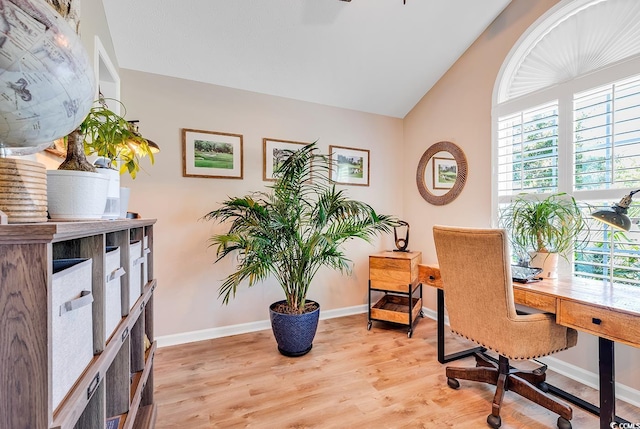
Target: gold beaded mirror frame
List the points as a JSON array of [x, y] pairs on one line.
[[460, 173]]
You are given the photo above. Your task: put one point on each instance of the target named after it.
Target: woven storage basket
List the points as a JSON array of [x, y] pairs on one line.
[[23, 190]]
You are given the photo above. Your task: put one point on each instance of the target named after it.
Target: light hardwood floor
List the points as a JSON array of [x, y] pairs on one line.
[[352, 378]]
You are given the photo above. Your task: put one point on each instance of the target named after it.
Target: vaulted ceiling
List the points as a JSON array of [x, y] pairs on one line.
[[377, 56]]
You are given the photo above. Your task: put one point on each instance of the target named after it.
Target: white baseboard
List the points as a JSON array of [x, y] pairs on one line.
[[625, 393], [243, 328], [591, 379]]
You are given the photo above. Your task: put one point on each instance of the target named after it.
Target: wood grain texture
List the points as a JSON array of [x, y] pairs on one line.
[[118, 379], [59, 231], [26, 254], [394, 271], [352, 378], [23, 337], [392, 308]]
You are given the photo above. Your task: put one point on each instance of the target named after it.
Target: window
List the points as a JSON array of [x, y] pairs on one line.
[[528, 151], [567, 119], [607, 136]]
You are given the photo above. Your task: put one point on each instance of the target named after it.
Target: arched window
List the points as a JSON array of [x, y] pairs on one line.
[[566, 118]]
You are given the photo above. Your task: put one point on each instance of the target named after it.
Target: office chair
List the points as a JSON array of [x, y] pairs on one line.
[[475, 266]]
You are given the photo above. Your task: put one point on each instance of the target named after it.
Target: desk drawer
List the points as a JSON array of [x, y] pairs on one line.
[[540, 301], [604, 323]]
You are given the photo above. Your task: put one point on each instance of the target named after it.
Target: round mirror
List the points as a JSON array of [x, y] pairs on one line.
[[442, 173]]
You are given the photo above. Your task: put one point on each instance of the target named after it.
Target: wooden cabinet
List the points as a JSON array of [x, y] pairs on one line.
[[395, 275], [118, 381]]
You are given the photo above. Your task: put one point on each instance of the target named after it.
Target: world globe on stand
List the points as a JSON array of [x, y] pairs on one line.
[[47, 85]]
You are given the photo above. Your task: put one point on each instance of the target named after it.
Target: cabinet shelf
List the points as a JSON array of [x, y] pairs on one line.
[[103, 389], [396, 309]]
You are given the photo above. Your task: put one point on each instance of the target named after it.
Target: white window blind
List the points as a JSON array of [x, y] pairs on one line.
[[528, 151], [606, 143], [610, 254], [607, 137]]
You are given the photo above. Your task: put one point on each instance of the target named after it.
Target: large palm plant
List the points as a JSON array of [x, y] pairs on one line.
[[294, 229]]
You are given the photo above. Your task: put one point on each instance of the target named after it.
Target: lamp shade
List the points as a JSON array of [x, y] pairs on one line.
[[614, 218]]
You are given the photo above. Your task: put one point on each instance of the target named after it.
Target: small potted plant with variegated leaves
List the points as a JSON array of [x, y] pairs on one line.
[[78, 183]]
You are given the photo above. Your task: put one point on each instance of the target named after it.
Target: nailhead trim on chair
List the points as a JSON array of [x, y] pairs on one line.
[[508, 356]]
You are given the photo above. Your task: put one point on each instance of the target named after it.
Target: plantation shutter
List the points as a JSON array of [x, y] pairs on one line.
[[528, 151], [607, 137]]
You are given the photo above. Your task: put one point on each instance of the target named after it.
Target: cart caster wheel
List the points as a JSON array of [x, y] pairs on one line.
[[544, 386], [422, 314], [563, 423], [453, 383], [369, 326], [494, 421], [410, 334]]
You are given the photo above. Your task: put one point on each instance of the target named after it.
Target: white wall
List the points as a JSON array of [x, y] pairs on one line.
[[458, 109], [186, 298]]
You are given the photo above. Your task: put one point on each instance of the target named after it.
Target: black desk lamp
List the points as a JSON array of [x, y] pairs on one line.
[[616, 216]]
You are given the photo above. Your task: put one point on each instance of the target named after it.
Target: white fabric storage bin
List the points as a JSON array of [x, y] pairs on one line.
[[145, 264], [112, 293], [71, 324], [135, 271]]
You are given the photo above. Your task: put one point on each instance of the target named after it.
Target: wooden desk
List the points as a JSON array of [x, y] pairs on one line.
[[612, 313]]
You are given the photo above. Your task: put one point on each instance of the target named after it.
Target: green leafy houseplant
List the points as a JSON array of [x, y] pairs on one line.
[[294, 229], [550, 225], [106, 134]]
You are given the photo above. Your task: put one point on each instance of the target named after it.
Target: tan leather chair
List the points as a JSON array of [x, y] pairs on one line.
[[476, 273]]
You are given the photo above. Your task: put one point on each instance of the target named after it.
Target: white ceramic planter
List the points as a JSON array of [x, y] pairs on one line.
[[76, 195], [548, 262], [124, 201], [112, 207]]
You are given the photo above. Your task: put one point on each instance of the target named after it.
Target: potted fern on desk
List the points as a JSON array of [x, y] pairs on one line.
[[541, 230], [289, 233]]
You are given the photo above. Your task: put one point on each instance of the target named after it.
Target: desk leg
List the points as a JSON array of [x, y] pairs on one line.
[[607, 383], [442, 358]]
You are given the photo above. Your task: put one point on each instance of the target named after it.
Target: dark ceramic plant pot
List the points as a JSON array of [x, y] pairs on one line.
[[294, 332]]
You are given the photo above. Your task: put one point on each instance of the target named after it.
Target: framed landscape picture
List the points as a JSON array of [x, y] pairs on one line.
[[274, 152], [349, 166], [445, 172], [211, 154]]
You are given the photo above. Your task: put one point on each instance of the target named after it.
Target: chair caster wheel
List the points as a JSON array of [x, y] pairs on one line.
[[494, 421], [544, 386], [453, 383], [563, 423]]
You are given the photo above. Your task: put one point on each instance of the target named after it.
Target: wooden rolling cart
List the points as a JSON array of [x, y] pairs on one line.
[[396, 275]]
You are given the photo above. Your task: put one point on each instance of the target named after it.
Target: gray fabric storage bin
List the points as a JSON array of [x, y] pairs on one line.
[[112, 293], [135, 272], [71, 324]]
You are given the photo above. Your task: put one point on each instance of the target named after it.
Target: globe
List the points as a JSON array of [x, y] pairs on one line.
[[47, 85]]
